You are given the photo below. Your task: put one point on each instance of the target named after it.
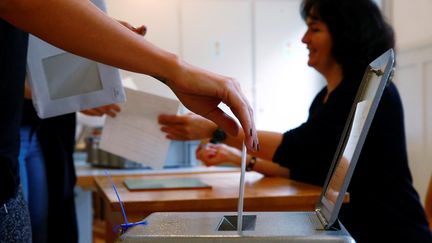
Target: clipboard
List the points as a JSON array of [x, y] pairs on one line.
[[165, 184]]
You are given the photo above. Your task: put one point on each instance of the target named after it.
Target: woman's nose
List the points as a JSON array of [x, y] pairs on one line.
[[305, 38]]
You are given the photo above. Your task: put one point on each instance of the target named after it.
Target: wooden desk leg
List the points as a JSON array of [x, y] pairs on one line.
[[114, 218]]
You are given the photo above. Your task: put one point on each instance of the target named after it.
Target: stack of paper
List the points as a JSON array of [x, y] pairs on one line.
[[135, 133]]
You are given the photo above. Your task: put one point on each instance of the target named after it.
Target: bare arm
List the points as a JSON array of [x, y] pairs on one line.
[[194, 127], [81, 28], [269, 142], [216, 154]]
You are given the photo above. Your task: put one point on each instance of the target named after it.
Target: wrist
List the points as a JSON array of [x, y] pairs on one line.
[[172, 72]]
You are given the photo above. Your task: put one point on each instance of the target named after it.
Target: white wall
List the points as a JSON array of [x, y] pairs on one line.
[[285, 85], [162, 21], [411, 21], [414, 78]]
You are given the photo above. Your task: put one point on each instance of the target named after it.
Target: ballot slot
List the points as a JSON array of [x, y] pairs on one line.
[[229, 223]]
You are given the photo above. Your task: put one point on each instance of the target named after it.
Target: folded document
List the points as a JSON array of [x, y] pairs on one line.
[[135, 133]]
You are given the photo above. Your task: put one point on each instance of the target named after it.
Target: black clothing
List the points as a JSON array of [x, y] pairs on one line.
[[13, 54], [57, 141], [29, 115], [384, 206], [56, 138], [15, 223]]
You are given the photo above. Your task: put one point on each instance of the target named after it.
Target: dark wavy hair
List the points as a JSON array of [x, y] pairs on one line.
[[359, 32]]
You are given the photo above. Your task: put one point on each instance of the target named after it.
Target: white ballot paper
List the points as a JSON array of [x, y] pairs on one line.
[[359, 120], [135, 133], [241, 191]]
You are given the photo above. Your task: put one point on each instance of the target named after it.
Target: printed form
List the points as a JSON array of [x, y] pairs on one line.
[[135, 133]]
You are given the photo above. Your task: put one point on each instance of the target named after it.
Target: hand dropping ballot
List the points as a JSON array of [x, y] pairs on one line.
[[135, 133]]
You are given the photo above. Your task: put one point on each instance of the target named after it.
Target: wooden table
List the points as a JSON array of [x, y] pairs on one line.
[[261, 194], [86, 173]]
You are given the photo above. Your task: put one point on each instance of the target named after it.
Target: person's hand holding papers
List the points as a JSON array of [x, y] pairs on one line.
[[109, 110], [186, 127]]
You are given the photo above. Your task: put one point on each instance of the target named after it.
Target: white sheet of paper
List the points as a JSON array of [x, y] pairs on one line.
[[359, 120], [241, 191], [135, 133]]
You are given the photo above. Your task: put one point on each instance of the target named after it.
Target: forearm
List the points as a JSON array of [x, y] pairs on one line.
[[269, 168], [81, 28], [269, 142]]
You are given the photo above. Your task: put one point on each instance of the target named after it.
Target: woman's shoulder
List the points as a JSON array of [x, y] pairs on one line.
[[391, 96], [390, 108]]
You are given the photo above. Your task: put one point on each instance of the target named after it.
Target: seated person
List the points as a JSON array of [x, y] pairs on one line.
[[342, 37]]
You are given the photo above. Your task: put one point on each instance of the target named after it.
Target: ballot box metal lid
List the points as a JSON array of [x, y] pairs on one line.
[[191, 227]]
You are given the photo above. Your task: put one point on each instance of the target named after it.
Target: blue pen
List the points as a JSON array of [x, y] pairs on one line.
[[122, 228]]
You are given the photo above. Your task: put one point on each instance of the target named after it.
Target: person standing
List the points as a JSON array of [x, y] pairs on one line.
[[76, 26]]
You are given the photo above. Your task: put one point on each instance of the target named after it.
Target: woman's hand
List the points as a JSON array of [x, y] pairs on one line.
[[186, 127], [109, 110], [140, 30], [215, 154]]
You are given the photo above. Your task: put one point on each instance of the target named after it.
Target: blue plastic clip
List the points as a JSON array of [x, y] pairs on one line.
[[122, 228]]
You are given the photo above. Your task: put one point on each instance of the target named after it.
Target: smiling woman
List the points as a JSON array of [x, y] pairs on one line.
[[343, 37]]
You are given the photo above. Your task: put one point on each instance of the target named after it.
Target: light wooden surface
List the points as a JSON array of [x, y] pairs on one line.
[[261, 194]]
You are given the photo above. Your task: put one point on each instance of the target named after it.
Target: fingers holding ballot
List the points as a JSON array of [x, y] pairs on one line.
[[202, 91]]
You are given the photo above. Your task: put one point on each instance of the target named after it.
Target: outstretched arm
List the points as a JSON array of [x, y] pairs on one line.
[[216, 154], [79, 27]]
